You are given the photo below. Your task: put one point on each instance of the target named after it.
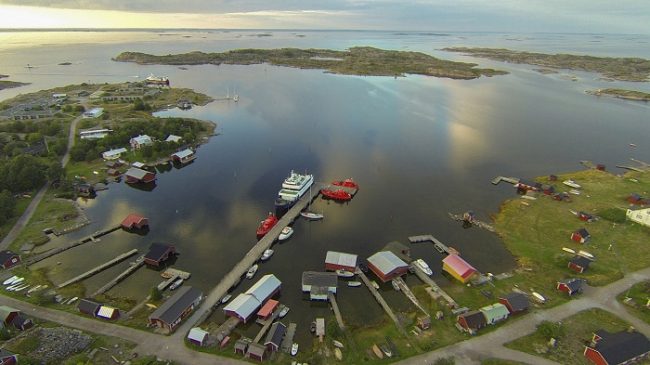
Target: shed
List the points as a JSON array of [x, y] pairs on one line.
[[274, 336], [134, 221], [242, 345], [625, 347], [634, 198], [242, 307], [313, 279], [184, 156], [340, 261], [113, 172], [7, 314], [7, 357], [108, 312], [458, 268], [140, 141], [175, 309], [579, 264], [386, 265], [9, 259], [113, 154], [580, 236], [198, 336], [94, 113], [88, 307], [320, 326], [256, 351], [570, 286], [472, 321], [586, 217], [494, 313], [515, 302], [267, 309], [173, 138], [22, 322], [639, 215], [265, 288], [159, 253], [135, 175], [526, 185]]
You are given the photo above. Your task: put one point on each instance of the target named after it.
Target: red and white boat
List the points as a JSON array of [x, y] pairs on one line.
[[348, 183], [336, 194], [266, 225]]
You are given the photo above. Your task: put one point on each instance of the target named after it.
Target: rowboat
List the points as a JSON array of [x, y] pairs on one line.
[[337, 344], [539, 297], [344, 273], [354, 284], [10, 280], [338, 354], [377, 351], [586, 254], [566, 249], [312, 216]]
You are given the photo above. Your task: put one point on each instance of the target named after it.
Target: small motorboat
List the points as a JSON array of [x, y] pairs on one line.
[[176, 284], [354, 284], [312, 216], [571, 183], [539, 297], [294, 349], [386, 350], [286, 233], [284, 312], [395, 285], [337, 344], [338, 194], [312, 327], [251, 272], [344, 273], [10, 280], [423, 266], [348, 183], [566, 249], [374, 284], [226, 298], [267, 254]]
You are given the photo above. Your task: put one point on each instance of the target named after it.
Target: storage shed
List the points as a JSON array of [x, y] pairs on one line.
[[387, 266], [579, 264], [494, 313], [274, 336], [625, 347], [175, 309], [458, 268], [9, 259], [159, 253], [515, 302], [340, 261], [570, 286], [198, 336], [580, 236], [472, 321]]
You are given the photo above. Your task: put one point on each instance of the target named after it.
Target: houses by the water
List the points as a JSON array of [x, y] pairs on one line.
[[246, 304], [387, 266], [458, 268], [170, 314]]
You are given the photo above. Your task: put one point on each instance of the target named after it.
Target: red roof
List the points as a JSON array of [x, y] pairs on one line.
[[460, 266], [268, 308], [132, 220]]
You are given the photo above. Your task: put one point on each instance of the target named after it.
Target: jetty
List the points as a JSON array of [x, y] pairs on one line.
[[92, 238], [434, 286], [381, 301], [476, 222], [240, 269], [99, 268], [409, 294], [510, 180], [288, 338], [266, 324], [130, 270], [439, 246], [631, 168], [335, 308]]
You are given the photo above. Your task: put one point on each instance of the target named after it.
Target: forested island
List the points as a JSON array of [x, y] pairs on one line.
[[616, 68], [621, 94], [367, 61]]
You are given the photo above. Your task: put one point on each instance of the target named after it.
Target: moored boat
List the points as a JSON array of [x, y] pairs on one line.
[[266, 225], [348, 183], [422, 265], [571, 183], [374, 284], [337, 344], [176, 284], [156, 80], [312, 327], [286, 233], [284, 312], [354, 284], [251, 272], [267, 254], [312, 216], [294, 349], [226, 298], [344, 273], [395, 285], [539, 297], [338, 194]]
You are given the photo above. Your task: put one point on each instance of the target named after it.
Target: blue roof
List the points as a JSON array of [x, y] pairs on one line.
[[265, 287]]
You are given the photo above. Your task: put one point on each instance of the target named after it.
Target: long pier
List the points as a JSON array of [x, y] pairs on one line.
[[335, 308], [409, 294], [427, 280], [92, 238], [235, 274], [632, 168], [99, 268], [381, 301], [130, 270]]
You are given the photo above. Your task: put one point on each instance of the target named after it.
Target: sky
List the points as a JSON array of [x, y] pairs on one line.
[[579, 16]]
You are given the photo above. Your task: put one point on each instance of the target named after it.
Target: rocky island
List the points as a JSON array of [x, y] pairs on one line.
[[615, 68], [621, 94], [367, 61], [9, 84]]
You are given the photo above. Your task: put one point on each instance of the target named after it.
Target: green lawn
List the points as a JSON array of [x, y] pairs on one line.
[[639, 295]]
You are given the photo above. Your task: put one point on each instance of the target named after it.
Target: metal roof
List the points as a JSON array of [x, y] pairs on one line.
[[268, 308], [184, 153], [617, 348], [142, 139], [315, 278], [116, 151], [173, 138], [495, 312], [136, 173], [460, 266], [341, 258], [275, 334], [88, 306], [172, 309], [197, 334], [106, 312], [386, 261], [264, 287], [158, 250], [517, 301], [244, 305]]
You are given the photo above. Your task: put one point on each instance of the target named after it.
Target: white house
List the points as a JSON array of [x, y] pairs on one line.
[[113, 154], [140, 141], [173, 138], [94, 113], [639, 215], [94, 134]]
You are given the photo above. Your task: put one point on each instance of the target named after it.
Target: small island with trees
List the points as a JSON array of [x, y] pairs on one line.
[[365, 61], [621, 94]]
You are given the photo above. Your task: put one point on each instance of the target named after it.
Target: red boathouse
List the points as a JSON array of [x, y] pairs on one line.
[[135, 221], [135, 175]]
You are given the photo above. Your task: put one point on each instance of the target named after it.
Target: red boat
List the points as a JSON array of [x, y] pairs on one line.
[[348, 183], [336, 194], [266, 225]]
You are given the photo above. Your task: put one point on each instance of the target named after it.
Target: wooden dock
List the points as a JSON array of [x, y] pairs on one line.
[[92, 238], [175, 273], [226, 328], [335, 308], [409, 294], [162, 286], [288, 338], [130, 270], [267, 323], [381, 301], [476, 222], [427, 280], [631, 168], [510, 180], [439, 246], [99, 268]]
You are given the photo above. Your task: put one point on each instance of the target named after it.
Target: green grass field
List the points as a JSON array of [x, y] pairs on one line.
[[639, 295]]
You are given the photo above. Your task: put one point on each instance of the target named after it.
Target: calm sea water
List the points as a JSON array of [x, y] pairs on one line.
[[419, 147]]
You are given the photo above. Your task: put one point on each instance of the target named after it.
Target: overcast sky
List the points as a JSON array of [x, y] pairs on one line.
[[583, 16]]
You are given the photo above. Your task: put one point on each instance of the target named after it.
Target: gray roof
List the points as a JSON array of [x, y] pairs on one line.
[[386, 261], [315, 278], [172, 309], [136, 173], [256, 349], [184, 153], [518, 301], [264, 287], [88, 306], [244, 305], [341, 258], [275, 334], [620, 347]]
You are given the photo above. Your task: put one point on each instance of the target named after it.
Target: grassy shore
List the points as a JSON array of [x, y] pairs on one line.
[[575, 332], [621, 94], [617, 68], [367, 61], [638, 295]]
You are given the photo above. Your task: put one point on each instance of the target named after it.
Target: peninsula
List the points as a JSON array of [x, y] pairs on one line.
[[9, 84], [621, 94], [366, 61], [615, 68]]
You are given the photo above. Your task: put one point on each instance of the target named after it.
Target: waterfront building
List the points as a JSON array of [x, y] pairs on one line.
[[340, 261], [175, 309], [319, 284], [274, 336], [458, 268], [158, 253]]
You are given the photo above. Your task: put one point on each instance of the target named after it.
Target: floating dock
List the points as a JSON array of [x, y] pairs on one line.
[[130, 270], [92, 238], [335, 308], [427, 280], [288, 338], [439, 246], [381, 301], [171, 272], [99, 268], [510, 180]]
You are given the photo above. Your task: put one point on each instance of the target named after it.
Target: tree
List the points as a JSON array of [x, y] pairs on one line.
[[55, 171], [550, 329], [7, 205], [155, 294]]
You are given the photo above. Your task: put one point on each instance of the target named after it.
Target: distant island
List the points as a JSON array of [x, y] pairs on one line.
[[9, 84], [367, 61], [621, 94], [616, 68]]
